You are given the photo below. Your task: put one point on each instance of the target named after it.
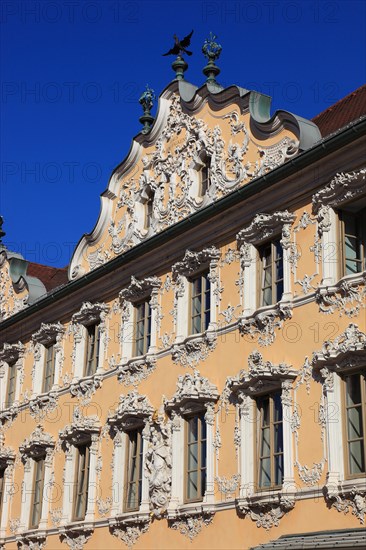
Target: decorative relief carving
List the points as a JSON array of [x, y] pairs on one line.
[[85, 389], [345, 501], [104, 506], [310, 476], [266, 514], [228, 486], [194, 349], [348, 349], [38, 443], [81, 428], [193, 262], [190, 525], [56, 516], [135, 371], [262, 326], [343, 187], [348, 296], [159, 466], [266, 226], [192, 388], [90, 313], [42, 405], [132, 409], [48, 333], [139, 289], [129, 531], [76, 538]]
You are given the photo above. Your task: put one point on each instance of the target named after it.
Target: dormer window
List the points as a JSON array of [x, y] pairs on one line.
[[150, 195], [205, 176], [92, 349]]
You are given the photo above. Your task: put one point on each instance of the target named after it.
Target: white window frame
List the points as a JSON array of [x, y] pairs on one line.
[[48, 334], [137, 291], [39, 443], [89, 314], [82, 429], [7, 459], [262, 378], [133, 412], [263, 228], [338, 357], [195, 394], [191, 265], [342, 189], [11, 354]]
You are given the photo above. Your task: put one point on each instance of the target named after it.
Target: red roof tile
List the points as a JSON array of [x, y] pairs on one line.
[[51, 277], [346, 110]]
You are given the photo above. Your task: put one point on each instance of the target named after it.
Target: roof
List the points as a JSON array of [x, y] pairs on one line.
[[51, 277], [344, 538], [346, 110]]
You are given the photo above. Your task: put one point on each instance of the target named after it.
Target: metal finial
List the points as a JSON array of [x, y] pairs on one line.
[[179, 65], [2, 233], [147, 101], [211, 50]]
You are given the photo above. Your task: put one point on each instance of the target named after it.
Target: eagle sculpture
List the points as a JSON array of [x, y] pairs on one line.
[[180, 45]]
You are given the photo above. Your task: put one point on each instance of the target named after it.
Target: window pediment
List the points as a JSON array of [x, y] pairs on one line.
[[193, 262], [345, 186], [48, 333], [133, 410], [345, 352], [265, 226], [10, 353], [261, 376], [82, 428], [192, 390], [37, 444], [139, 289], [90, 313]]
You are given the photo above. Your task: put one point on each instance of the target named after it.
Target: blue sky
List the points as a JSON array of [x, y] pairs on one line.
[[73, 71]]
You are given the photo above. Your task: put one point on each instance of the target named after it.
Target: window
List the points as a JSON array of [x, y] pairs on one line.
[[81, 481], [134, 470], [12, 379], [200, 303], [269, 441], [149, 204], [196, 459], [353, 239], [37, 493], [205, 177], [271, 273], [2, 487], [355, 420], [49, 368], [92, 349], [142, 327]]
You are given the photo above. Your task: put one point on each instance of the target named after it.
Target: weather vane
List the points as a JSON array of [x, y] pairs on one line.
[[147, 101], [211, 50], [180, 48]]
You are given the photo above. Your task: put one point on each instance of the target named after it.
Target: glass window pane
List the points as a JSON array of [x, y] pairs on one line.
[[279, 291], [278, 438], [356, 457], [267, 297], [278, 469], [196, 305], [354, 424], [353, 390], [265, 472], [277, 407], [193, 456], [351, 247], [192, 491], [264, 407], [266, 442], [193, 429]]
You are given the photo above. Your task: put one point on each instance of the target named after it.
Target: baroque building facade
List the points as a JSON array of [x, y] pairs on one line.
[[199, 380]]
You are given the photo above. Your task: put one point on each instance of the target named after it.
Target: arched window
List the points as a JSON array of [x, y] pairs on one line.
[[205, 176]]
